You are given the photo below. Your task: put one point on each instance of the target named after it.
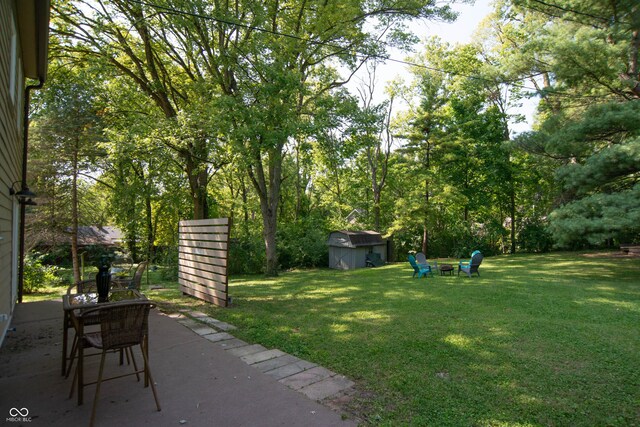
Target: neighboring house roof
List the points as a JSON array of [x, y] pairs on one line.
[[353, 216], [98, 235], [352, 239]]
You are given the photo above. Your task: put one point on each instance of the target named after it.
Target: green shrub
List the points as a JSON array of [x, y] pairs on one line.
[[454, 241], [59, 255], [534, 237], [300, 244], [303, 244], [168, 258], [246, 254], [38, 276]]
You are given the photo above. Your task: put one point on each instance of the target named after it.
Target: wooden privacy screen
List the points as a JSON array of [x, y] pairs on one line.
[[202, 261]]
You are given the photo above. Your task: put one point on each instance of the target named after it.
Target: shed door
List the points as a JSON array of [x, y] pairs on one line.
[[342, 258]]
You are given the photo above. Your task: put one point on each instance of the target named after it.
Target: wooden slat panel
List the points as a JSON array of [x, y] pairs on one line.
[[203, 245], [198, 264], [195, 286], [222, 229], [199, 272], [201, 255], [222, 238], [222, 245], [221, 302], [202, 261], [205, 237], [200, 288], [201, 222], [207, 283]]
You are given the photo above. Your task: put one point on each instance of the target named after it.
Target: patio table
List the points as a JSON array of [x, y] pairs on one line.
[[72, 305]]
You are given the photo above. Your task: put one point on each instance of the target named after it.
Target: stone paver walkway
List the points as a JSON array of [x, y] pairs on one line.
[[315, 382]]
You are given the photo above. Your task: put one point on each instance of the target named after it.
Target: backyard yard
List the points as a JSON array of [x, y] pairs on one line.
[[536, 340]]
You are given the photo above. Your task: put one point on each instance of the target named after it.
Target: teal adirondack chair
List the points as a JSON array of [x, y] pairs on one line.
[[421, 271], [471, 266], [421, 259]]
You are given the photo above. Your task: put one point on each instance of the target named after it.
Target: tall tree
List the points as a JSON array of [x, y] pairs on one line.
[[67, 129], [133, 40], [373, 133], [285, 67], [595, 72], [262, 65]]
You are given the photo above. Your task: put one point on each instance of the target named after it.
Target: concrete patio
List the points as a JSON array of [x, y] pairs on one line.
[[204, 377]]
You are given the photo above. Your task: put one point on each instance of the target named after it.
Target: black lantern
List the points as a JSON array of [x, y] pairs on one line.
[[24, 195]]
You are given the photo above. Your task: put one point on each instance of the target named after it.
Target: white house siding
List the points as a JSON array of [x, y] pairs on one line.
[[10, 156]]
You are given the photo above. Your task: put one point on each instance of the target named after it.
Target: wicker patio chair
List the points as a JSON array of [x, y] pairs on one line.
[[83, 287], [122, 326], [134, 281]]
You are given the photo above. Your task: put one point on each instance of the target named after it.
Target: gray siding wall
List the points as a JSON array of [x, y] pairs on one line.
[[11, 99], [360, 255]]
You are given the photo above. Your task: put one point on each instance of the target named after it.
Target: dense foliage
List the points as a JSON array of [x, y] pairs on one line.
[[38, 275], [168, 110]]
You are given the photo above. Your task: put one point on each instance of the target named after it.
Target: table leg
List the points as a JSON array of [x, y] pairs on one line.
[[65, 337], [145, 349], [80, 362]]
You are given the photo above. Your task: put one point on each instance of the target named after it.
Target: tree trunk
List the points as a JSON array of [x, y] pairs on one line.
[[268, 188], [512, 187], [376, 210], [425, 240], [150, 239], [198, 180], [74, 216], [269, 218], [634, 74], [375, 190], [245, 209], [513, 217], [427, 166], [425, 231], [298, 185]]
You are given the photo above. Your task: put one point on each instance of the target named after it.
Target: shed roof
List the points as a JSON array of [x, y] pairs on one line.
[[358, 238]]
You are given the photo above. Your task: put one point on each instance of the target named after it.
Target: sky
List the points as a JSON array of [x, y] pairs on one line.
[[460, 31]]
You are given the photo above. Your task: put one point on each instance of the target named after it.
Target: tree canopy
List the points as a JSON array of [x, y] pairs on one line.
[[202, 108]]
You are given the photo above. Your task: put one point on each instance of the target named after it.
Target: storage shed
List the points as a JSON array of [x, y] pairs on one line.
[[349, 249]]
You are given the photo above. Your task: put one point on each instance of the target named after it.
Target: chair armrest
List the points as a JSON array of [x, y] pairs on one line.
[[79, 287], [121, 282]]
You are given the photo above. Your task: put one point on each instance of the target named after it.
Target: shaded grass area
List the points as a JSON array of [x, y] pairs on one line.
[[536, 340]]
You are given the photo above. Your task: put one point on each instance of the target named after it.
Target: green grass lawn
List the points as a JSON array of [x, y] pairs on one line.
[[536, 340]]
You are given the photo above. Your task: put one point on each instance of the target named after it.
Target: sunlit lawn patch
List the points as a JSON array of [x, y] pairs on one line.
[[536, 340]]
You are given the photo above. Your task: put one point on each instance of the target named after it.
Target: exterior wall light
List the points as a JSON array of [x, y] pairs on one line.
[[24, 195]]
